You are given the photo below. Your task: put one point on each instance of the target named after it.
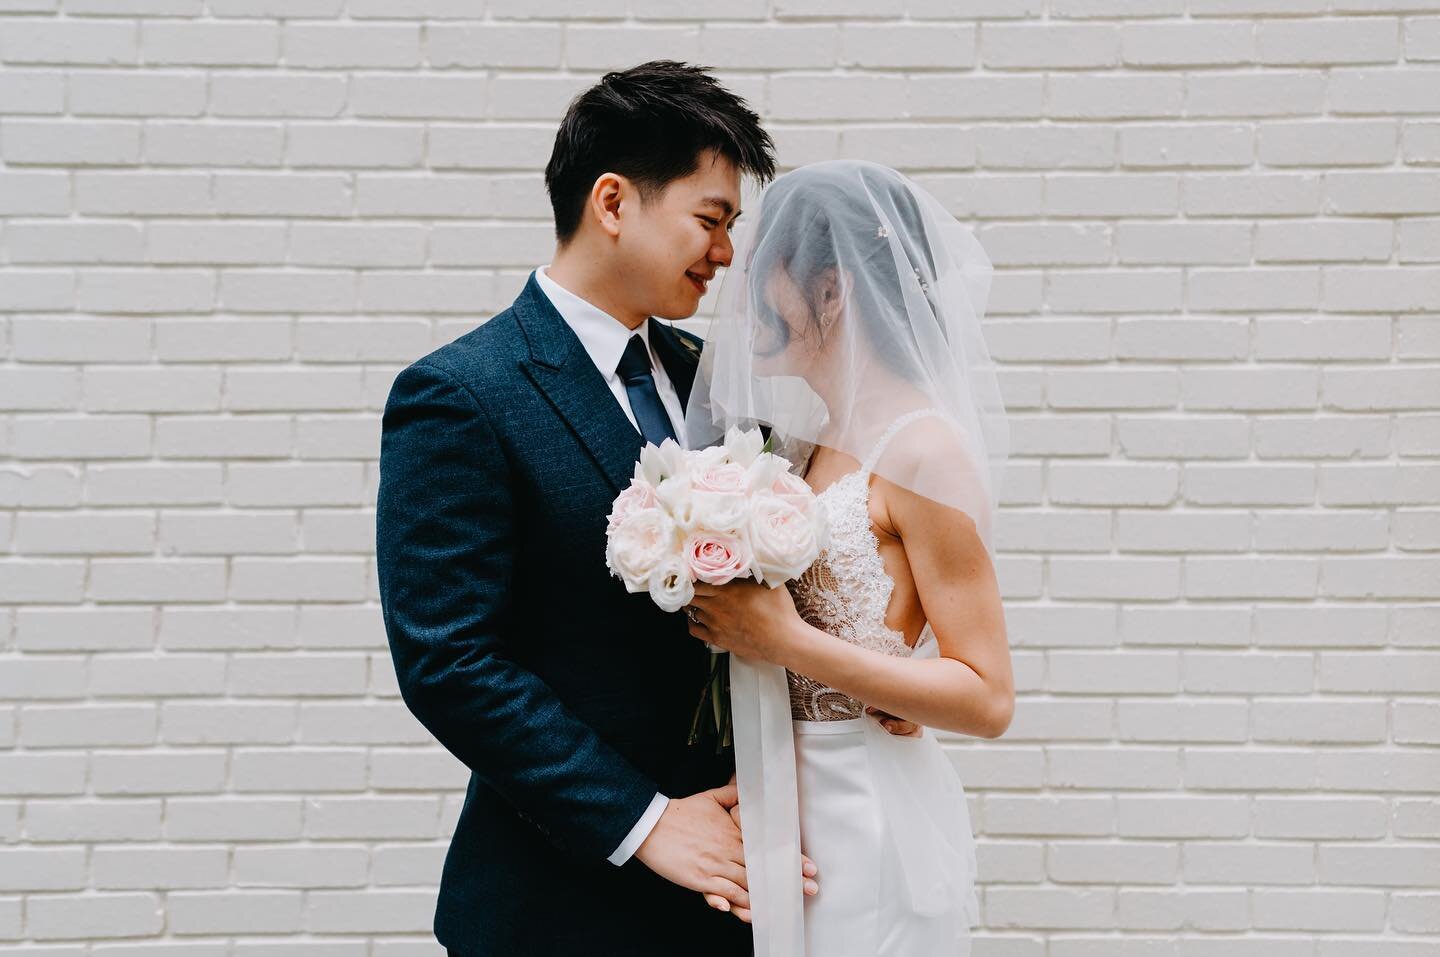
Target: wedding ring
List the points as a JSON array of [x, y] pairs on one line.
[[690, 613]]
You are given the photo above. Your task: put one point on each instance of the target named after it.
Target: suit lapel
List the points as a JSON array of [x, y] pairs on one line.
[[678, 355], [562, 370]]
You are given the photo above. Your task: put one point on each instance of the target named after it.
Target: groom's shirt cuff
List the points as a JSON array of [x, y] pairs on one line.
[[640, 831]]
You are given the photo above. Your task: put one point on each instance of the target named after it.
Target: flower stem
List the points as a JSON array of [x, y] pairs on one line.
[[717, 692]]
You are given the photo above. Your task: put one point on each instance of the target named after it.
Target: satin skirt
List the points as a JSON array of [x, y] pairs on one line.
[[879, 813]]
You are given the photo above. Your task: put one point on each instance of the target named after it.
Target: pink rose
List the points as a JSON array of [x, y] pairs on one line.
[[784, 540], [723, 477], [791, 489], [716, 558], [639, 495]]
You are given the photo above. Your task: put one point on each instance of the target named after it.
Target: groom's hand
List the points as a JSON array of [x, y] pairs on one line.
[[696, 844]]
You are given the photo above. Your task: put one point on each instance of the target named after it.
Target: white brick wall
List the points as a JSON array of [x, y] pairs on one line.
[[226, 224]]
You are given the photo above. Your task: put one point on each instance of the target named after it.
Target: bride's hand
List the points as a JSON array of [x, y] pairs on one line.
[[752, 620], [807, 870], [744, 617], [899, 726]]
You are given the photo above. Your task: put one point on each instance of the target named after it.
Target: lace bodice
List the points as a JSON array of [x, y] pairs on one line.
[[846, 591]]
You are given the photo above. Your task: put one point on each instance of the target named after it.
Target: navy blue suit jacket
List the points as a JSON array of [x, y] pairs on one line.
[[568, 699]]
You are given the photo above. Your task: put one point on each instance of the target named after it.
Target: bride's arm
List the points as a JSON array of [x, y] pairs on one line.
[[970, 688]]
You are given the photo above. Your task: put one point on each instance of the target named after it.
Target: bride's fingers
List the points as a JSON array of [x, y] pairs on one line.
[[896, 725], [736, 895], [809, 888], [734, 872], [720, 903], [807, 871]]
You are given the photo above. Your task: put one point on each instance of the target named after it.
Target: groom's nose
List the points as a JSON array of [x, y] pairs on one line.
[[722, 250]]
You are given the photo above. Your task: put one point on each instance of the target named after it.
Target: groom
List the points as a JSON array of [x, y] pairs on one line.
[[589, 824]]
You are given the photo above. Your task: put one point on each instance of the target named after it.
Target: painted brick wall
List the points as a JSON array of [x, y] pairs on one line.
[[1216, 225]]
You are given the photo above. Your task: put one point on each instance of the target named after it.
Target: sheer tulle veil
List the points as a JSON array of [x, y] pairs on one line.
[[855, 299]]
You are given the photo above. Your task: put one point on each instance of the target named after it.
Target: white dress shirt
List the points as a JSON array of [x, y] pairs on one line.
[[604, 338]]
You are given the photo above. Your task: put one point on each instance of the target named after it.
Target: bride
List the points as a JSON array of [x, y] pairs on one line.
[[852, 332]]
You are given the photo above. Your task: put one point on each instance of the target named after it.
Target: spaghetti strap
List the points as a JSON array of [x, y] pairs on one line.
[[873, 458]]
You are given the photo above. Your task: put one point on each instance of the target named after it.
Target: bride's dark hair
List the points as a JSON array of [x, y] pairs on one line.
[[650, 124], [823, 217]]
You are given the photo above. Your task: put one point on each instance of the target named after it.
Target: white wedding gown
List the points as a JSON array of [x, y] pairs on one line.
[[883, 816]]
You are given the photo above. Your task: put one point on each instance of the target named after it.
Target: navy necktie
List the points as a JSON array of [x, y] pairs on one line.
[[639, 379]]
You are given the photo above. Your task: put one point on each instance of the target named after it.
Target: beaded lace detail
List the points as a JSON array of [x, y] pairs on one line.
[[846, 591]]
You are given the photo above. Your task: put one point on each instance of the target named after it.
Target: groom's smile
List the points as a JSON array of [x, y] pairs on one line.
[[683, 232]]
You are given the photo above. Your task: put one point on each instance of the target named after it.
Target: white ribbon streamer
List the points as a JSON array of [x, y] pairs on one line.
[[769, 805]]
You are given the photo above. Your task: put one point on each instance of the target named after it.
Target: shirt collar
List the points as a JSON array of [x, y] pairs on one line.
[[603, 336]]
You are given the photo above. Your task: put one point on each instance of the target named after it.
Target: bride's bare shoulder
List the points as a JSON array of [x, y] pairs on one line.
[[930, 444], [927, 445]]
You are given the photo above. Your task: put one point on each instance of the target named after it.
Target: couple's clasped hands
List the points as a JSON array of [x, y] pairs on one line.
[[697, 844]]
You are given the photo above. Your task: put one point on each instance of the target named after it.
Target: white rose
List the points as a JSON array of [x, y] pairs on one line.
[[719, 511], [639, 495], [670, 586], [638, 545], [783, 540]]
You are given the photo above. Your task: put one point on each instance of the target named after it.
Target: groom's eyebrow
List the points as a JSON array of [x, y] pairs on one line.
[[722, 203]]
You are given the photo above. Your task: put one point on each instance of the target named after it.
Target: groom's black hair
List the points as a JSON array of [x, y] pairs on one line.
[[650, 124]]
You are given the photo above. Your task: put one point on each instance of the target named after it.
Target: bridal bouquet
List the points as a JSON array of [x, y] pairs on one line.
[[734, 510]]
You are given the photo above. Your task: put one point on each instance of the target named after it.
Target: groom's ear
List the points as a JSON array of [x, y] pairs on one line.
[[605, 198]]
